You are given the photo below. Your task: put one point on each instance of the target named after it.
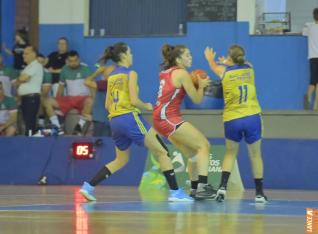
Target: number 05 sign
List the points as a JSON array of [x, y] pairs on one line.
[[83, 150]]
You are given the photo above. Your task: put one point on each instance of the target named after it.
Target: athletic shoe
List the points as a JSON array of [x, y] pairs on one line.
[[192, 193], [42, 181], [179, 196], [205, 191], [88, 191], [220, 194], [261, 198]]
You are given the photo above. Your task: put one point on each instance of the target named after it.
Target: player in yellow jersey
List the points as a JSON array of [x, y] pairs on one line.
[[127, 124], [241, 116]]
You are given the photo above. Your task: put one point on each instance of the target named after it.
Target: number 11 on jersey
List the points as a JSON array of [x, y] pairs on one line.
[[243, 93]]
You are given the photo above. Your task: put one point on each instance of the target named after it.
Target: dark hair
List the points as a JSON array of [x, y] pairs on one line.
[[72, 53], [315, 14], [170, 54], [40, 55], [113, 52], [63, 39], [237, 54]]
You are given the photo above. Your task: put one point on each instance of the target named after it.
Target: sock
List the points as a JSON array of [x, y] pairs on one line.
[[41, 121], [103, 174], [224, 178], [194, 184], [259, 185], [203, 179], [54, 120], [81, 122], [171, 179]]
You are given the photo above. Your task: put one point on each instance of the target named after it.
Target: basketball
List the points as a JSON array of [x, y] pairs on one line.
[[198, 73]]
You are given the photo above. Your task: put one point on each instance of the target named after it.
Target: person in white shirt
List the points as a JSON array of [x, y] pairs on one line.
[[29, 88], [311, 31]]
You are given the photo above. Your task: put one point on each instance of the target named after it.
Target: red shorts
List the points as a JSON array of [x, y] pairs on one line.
[[71, 102], [166, 127]]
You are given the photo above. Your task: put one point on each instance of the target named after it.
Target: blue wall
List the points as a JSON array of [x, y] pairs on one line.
[[7, 15], [289, 164], [280, 61]]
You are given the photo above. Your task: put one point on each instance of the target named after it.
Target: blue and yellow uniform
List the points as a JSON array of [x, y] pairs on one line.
[[241, 108], [126, 122]]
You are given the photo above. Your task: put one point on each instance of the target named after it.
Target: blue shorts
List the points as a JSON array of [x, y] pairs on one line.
[[129, 128], [249, 127]]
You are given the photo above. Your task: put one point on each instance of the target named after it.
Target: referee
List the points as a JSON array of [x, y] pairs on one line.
[[29, 88]]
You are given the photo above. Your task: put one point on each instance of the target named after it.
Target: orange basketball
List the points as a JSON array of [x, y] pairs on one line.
[[198, 73]]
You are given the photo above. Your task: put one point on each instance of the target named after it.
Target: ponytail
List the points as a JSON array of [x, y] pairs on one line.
[[113, 52], [237, 54], [170, 54]]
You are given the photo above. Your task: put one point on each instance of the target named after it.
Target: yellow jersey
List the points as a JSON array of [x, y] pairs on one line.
[[240, 99], [118, 88]]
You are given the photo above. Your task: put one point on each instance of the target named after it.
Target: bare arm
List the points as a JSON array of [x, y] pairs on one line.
[[23, 78], [6, 50], [181, 76], [90, 80], [108, 101], [55, 71], [216, 68], [133, 93], [60, 90]]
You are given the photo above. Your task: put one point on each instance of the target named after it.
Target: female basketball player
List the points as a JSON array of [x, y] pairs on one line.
[[127, 124], [175, 83], [241, 116]]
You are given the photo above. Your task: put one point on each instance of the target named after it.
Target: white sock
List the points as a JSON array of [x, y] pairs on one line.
[[41, 122], [54, 120], [81, 122]]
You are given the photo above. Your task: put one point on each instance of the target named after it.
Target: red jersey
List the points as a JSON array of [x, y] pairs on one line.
[[169, 98]]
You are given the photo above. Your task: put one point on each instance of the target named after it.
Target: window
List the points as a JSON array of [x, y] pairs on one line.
[[136, 17]]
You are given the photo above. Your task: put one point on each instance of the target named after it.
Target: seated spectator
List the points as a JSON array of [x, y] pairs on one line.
[[8, 114], [56, 61], [77, 93], [45, 90], [7, 77], [100, 114]]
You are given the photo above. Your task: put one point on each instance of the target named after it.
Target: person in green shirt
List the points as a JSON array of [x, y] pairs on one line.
[[7, 77], [78, 95], [8, 114]]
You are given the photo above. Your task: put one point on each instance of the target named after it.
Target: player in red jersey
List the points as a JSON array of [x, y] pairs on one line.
[[175, 83]]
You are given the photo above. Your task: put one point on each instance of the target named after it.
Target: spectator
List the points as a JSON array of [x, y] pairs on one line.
[[46, 88], [29, 88], [100, 119], [47, 77], [78, 95], [21, 42], [7, 77], [8, 114], [311, 31], [57, 61]]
